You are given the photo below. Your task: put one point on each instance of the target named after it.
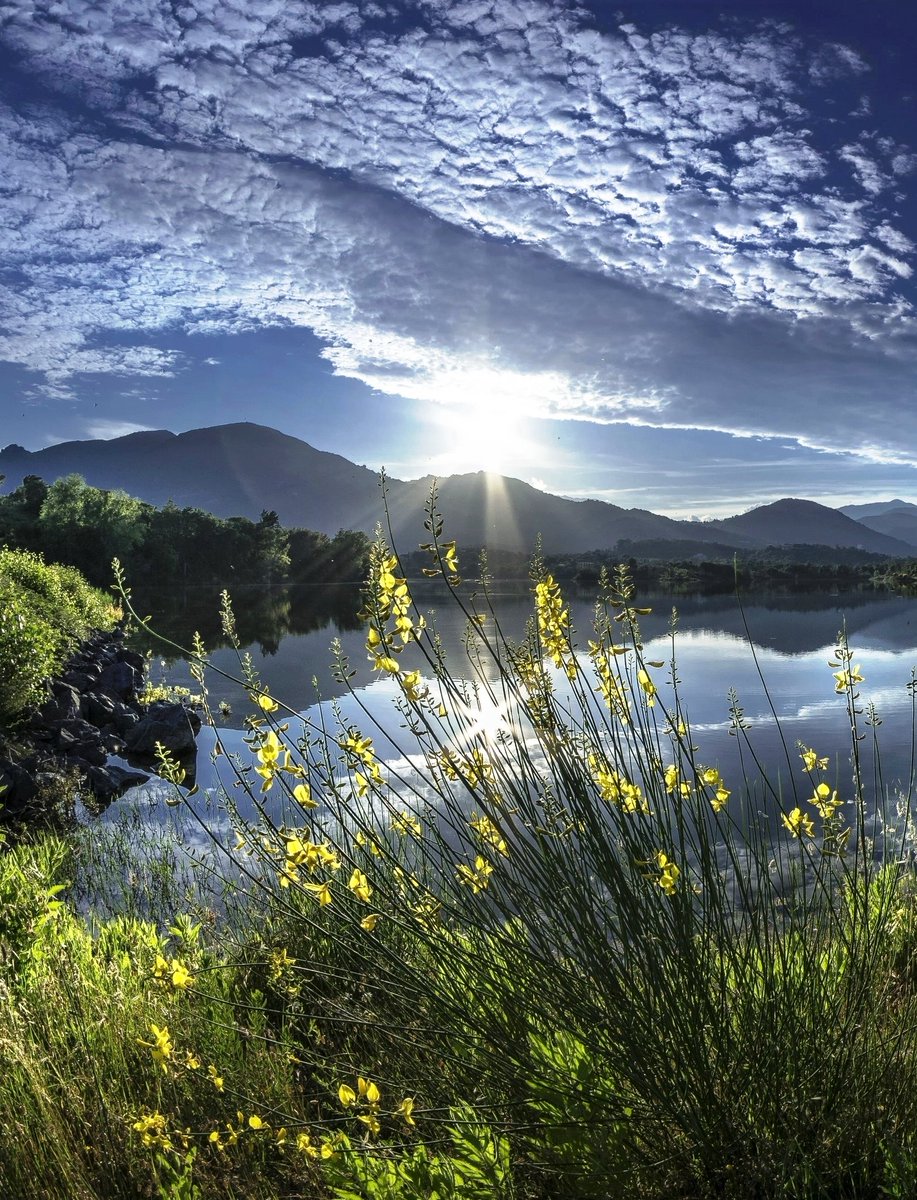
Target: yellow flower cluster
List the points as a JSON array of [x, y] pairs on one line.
[[445, 556], [301, 851], [173, 972], [554, 625], [368, 1094], [160, 1047], [811, 759], [475, 769], [668, 873], [847, 678], [826, 801], [153, 1130], [712, 779], [476, 877], [675, 783], [406, 824], [488, 832], [611, 687], [798, 823], [368, 1098], [362, 760], [616, 788], [273, 757], [647, 685]]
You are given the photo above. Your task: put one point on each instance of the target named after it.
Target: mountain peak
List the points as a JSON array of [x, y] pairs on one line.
[[243, 468]]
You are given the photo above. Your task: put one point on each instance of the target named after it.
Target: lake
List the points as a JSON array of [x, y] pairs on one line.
[[773, 651]]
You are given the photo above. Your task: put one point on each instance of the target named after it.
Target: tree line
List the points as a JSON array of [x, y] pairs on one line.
[[71, 522]]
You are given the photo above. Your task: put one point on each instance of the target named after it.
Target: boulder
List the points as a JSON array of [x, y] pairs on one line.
[[119, 680], [62, 705], [19, 788], [110, 782], [172, 725]]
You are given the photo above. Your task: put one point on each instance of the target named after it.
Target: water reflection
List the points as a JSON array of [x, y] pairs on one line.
[[773, 651]]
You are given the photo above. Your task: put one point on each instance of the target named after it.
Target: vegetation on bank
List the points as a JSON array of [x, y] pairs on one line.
[[46, 610], [86, 527], [540, 949]]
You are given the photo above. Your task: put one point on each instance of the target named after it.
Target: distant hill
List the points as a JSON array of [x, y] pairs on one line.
[[895, 518], [877, 509], [242, 469], [790, 521]]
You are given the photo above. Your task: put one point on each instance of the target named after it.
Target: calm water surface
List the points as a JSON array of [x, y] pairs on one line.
[[790, 638]]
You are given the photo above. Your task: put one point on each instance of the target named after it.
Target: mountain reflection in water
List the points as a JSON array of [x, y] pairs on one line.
[[288, 635]]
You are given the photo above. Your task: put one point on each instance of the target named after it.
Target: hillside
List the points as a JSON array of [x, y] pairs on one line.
[[242, 469], [789, 522]]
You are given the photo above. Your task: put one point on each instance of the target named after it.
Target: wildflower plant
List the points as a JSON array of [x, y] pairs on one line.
[[641, 976]]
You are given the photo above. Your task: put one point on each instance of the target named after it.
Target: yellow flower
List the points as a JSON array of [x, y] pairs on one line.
[[488, 832], [161, 1047], [302, 794], [797, 822], [406, 823], [181, 976], [360, 885], [255, 1122], [826, 801], [265, 703], [347, 1095], [371, 1121], [649, 688], [811, 760], [712, 778], [304, 1145], [321, 891], [384, 662], [369, 923], [669, 873], [153, 1130], [368, 1090], [215, 1078], [847, 679], [405, 1109], [477, 877]]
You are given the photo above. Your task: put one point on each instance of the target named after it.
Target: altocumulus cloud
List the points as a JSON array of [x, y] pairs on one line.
[[684, 229]]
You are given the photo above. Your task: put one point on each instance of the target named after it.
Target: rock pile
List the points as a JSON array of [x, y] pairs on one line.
[[91, 712]]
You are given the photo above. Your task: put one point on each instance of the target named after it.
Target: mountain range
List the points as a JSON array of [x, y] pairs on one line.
[[243, 469]]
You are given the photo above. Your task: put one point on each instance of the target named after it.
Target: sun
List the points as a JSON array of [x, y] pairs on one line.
[[486, 419]]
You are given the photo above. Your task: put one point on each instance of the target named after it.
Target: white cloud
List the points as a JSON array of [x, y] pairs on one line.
[[504, 185], [106, 430]]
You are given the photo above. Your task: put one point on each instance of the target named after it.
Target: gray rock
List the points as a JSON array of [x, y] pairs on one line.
[[119, 680], [172, 725], [19, 788]]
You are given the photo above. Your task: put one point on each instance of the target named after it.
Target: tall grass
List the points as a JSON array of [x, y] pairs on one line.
[[542, 950], [643, 979]]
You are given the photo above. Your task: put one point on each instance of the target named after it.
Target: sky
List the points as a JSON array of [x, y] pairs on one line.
[[660, 254]]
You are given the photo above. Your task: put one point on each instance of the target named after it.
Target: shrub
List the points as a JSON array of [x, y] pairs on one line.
[[551, 909], [45, 611]]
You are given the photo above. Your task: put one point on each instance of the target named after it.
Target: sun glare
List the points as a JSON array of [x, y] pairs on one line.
[[485, 417]]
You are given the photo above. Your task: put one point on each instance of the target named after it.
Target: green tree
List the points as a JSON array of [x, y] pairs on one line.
[[88, 527]]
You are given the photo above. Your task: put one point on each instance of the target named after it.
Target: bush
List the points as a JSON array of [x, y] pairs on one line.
[[45, 611], [547, 951]]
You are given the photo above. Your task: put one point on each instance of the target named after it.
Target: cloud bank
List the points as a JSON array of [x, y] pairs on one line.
[[656, 226]]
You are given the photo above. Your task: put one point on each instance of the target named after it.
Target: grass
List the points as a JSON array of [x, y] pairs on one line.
[[548, 951]]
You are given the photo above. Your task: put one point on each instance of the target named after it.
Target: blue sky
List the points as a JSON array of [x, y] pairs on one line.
[[661, 254]]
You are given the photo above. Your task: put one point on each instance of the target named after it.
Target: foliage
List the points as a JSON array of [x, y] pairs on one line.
[[45, 611], [551, 908], [86, 527], [542, 949]]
